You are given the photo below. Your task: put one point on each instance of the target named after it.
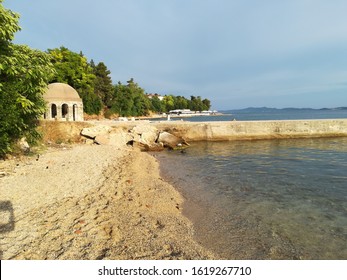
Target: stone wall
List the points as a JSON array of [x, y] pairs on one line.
[[241, 130], [148, 133]]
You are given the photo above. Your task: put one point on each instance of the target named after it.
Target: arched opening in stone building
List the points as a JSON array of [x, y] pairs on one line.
[[64, 111], [74, 111], [54, 111], [63, 103]]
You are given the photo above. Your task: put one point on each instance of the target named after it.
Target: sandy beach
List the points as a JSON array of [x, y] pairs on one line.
[[92, 202]]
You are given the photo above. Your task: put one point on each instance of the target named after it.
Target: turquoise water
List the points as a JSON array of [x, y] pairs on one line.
[[272, 199]]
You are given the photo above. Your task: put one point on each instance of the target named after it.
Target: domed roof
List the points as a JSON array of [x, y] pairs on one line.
[[61, 92]]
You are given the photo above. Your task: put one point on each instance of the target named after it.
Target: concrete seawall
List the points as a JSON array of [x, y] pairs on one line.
[[251, 130]]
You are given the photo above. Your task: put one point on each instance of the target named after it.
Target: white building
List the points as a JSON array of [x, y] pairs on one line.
[[151, 95]]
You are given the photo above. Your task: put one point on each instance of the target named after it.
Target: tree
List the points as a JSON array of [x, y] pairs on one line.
[[24, 74], [207, 104], [169, 102], [196, 104], [157, 105], [103, 87], [130, 100], [181, 102], [121, 101], [73, 68]]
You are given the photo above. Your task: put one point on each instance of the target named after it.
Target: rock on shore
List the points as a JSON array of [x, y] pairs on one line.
[[146, 137]]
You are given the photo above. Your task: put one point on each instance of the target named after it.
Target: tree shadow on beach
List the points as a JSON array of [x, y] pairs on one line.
[[6, 219]]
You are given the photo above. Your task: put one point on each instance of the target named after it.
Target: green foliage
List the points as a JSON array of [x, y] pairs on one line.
[[103, 87], [196, 104], [73, 68], [207, 104], [129, 100], [8, 23], [171, 102], [157, 105], [92, 104], [24, 74], [181, 103]]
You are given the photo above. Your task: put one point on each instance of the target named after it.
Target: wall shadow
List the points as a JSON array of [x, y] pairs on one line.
[[7, 219]]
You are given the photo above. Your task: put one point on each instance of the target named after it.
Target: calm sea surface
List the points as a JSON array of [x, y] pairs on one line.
[[284, 114], [272, 199]]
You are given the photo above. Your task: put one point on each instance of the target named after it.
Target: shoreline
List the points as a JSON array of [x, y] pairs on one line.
[[231, 189], [93, 202], [109, 201]]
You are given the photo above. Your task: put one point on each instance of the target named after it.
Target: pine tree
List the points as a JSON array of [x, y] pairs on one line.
[[103, 87]]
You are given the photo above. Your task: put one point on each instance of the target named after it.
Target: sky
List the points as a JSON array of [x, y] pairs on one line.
[[237, 53]]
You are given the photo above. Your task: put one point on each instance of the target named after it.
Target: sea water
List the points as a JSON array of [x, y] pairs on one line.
[[267, 114], [265, 199]]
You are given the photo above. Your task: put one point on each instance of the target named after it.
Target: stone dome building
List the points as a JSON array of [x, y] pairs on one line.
[[63, 103]]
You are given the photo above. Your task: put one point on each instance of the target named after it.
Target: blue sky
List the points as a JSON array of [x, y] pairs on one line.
[[237, 53]]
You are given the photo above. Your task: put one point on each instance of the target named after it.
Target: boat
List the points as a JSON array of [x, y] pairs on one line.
[[189, 113]]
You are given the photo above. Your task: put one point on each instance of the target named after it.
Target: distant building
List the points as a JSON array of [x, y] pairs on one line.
[[151, 95], [63, 103]]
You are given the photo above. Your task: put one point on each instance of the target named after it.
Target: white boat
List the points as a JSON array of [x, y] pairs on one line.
[[189, 113]]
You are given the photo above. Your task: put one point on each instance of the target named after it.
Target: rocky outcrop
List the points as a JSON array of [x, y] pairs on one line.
[[151, 139], [171, 141], [144, 136], [102, 139], [92, 132], [99, 134]]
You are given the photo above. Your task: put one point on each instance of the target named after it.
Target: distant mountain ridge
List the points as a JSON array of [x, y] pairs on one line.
[[269, 110], [338, 108]]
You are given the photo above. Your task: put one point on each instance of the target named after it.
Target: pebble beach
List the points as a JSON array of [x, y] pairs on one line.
[[90, 202]]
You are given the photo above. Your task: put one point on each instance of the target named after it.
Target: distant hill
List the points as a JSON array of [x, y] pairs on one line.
[[338, 108], [272, 110], [266, 113]]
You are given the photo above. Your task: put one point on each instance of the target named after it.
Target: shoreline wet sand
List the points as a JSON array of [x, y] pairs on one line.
[[92, 202]]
